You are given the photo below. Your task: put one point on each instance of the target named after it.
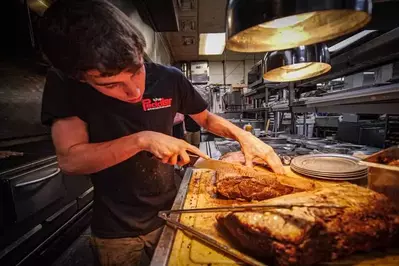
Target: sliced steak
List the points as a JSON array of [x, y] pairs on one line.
[[265, 186], [306, 235]]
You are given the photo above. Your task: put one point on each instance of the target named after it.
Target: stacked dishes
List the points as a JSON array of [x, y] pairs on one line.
[[332, 167]]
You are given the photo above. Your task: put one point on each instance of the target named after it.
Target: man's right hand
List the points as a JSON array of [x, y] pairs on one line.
[[168, 149]]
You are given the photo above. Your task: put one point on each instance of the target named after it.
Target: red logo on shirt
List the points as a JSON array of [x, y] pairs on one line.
[[156, 103]]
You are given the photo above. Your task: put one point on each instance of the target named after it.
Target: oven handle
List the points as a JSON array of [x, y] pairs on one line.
[[56, 172]]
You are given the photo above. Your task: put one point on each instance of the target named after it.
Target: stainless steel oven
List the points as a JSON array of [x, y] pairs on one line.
[[29, 192], [41, 209]]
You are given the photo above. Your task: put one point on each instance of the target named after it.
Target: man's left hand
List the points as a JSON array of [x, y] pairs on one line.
[[253, 147]]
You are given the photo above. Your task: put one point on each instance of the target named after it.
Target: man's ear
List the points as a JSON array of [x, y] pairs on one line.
[[82, 77]]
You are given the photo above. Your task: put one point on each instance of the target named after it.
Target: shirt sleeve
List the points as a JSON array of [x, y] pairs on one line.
[[190, 102], [57, 101]]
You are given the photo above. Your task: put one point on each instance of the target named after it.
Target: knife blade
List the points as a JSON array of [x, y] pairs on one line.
[[221, 165]]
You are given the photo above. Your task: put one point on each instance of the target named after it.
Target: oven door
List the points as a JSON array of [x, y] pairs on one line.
[[32, 191]]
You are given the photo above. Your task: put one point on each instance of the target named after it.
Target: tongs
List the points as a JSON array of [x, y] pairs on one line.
[[165, 215], [251, 207]]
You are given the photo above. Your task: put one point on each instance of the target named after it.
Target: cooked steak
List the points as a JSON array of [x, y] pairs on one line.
[[308, 235], [238, 157], [394, 163], [265, 186]]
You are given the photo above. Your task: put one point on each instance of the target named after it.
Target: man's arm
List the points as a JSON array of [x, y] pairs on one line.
[[77, 156], [250, 145]]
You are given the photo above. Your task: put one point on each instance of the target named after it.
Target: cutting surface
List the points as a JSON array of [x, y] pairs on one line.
[[200, 194]]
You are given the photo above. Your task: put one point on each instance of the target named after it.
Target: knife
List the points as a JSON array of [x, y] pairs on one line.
[[218, 165]]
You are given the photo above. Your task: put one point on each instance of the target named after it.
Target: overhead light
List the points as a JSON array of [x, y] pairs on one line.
[[271, 25], [212, 43], [296, 64], [39, 6]]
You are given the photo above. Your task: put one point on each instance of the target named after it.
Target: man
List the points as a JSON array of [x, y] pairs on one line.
[[193, 131], [111, 117]]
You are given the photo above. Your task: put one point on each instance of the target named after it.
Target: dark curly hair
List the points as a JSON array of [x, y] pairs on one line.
[[78, 35]]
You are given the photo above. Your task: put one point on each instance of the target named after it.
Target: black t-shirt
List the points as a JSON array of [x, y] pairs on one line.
[[190, 124], [127, 196]]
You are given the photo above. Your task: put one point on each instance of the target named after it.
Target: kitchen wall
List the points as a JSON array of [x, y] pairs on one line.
[[236, 71], [157, 49]]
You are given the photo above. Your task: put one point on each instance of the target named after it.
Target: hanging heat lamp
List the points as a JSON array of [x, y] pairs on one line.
[[271, 25], [295, 64]]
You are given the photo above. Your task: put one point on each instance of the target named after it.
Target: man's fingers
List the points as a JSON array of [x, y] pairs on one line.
[[183, 158], [248, 160], [275, 163], [173, 159], [165, 160], [197, 151]]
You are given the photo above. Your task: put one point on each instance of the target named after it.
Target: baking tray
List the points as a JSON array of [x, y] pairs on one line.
[[177, 248]]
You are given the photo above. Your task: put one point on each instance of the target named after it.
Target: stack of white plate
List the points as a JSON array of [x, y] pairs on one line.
[[332, 167]]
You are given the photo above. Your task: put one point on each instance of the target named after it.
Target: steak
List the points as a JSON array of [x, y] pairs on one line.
[[259, 187], [308, 235], [238, 157]]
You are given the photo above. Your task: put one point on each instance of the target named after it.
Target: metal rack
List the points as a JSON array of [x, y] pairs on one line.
[[364, 100]]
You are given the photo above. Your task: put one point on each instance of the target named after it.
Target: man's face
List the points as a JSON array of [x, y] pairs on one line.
[[127, 86]]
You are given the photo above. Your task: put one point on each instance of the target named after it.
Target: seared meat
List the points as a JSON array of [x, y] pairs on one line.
[[394, 163], [308, 235], [265, 186], [238, 157]]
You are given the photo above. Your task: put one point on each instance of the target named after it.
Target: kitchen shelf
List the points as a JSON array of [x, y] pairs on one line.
[[280, 107], [261, 88], [371, 100], [358, 95], [255, 110], [232, 111], [254, 91]]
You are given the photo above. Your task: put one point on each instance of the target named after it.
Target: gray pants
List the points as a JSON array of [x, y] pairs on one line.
[[125, 251]]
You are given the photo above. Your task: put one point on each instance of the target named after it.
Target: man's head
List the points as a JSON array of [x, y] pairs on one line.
[[94, 42]]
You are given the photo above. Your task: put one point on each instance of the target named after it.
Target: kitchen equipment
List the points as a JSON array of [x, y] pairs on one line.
[[332, 167], [29, 192], [199, 72], [382, 177], [335, 149]]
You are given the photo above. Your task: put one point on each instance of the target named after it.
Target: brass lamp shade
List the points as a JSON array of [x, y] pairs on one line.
[[39, 6], [297, 64], [272, 25]]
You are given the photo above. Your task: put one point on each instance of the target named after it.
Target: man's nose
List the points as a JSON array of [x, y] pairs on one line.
[[132, 91]]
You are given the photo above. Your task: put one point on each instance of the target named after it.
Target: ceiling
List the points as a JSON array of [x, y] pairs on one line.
[[195, 17], [208, 16]]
